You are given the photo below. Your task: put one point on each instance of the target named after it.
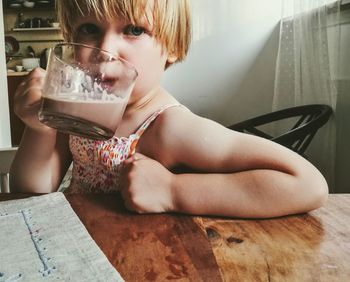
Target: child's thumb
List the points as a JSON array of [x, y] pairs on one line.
[[135, 157]]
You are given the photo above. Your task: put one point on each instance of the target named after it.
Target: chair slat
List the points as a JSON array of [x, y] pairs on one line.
[[299, 136]]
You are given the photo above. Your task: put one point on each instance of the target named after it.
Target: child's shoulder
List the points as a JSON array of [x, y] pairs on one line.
[[174, 117], [178, 133], [179, 123], [181, 118]]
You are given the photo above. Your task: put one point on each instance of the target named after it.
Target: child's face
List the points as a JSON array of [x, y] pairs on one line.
[[134, 44]]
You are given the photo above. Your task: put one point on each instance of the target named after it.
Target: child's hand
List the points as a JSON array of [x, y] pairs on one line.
[[146, 185], [27, 100]]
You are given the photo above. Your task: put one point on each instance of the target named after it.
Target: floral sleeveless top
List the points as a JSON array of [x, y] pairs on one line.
[[96, 164]]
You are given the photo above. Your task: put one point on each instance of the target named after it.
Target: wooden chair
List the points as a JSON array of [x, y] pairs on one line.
[[6, 157], [299, 125]]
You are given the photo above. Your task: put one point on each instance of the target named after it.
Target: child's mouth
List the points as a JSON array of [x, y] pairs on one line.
[[107, 82]]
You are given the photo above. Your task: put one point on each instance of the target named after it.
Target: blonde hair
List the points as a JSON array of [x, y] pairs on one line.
[[170, 18]]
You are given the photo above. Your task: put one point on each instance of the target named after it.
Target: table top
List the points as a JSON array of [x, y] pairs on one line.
[[162, 247], [306, 247]]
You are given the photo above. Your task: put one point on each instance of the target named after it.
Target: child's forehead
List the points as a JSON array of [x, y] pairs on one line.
[[112, 8], [117, 20], [140, 11]]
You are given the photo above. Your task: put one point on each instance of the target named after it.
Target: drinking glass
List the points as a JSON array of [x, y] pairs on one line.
[[85, 91]]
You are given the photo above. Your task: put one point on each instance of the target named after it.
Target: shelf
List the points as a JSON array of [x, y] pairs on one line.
[[15, 73], [20, 9], [48, 5], [36, 29]]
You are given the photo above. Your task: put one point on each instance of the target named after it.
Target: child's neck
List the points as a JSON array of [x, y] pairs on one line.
[[144, 101], [137, 112]]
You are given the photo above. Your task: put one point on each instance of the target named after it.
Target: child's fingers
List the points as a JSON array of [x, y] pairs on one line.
[[30, 96], [128, 161], [129, 204], [37, 72], [125, 193], [27, 100], [35, 77], [29, 91]]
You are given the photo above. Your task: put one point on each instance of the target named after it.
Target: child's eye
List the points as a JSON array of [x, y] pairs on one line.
[[88, 29], [133, 30]]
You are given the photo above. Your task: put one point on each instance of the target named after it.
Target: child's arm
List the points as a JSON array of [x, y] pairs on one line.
[[240, 175], [43, 155]]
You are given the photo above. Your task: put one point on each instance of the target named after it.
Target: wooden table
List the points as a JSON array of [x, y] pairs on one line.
[[308, 247]]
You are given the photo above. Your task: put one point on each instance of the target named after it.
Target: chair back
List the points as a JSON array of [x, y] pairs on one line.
[[309, 119], [6, 157]]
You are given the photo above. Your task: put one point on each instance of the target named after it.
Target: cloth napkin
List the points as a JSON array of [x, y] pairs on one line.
[[42, 239]]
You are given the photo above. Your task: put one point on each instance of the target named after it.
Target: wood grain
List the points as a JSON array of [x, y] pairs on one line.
[[307, 247], [147, 247]]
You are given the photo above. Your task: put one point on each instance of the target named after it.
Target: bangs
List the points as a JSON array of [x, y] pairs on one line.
[[107, 10]]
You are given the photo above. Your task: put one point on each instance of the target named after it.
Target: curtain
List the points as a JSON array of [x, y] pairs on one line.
[[307, 67]]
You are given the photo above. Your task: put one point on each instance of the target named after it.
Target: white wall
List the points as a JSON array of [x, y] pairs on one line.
[[5, 136], [229, 73]]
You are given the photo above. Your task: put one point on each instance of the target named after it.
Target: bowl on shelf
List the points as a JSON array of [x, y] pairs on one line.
[[15, 5], [55, 25], [44, 3], [30, 63], [28, 4]]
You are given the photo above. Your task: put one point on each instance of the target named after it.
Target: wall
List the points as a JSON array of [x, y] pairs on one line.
[[229, 73], [5, 139]]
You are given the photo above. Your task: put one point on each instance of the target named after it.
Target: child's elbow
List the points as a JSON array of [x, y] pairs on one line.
[[320, 194], [317, 191]]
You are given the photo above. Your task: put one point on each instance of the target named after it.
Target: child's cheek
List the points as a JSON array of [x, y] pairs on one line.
[[147, 79]]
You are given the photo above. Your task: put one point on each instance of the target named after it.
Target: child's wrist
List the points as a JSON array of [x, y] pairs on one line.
[[178, 195], [174, 199], [43, 131]]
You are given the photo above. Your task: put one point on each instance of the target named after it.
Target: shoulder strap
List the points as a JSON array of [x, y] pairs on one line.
[[151, 118]]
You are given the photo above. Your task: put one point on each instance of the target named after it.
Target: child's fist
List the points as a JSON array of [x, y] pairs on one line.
[[146, 185]]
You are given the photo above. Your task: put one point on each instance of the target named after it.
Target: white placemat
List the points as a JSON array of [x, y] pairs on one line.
[[42, 239]]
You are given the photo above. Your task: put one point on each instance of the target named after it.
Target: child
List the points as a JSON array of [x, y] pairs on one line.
[[222, 172]]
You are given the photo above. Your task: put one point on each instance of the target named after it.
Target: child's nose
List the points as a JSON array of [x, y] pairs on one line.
[[112, 44]]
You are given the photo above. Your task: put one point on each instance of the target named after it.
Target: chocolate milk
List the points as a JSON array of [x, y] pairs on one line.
[[85, 118]]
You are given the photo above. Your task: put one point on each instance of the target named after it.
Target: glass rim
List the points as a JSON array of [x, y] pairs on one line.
[[128, 64]]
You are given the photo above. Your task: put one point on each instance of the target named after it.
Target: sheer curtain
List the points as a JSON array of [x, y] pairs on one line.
[[307, 66]]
